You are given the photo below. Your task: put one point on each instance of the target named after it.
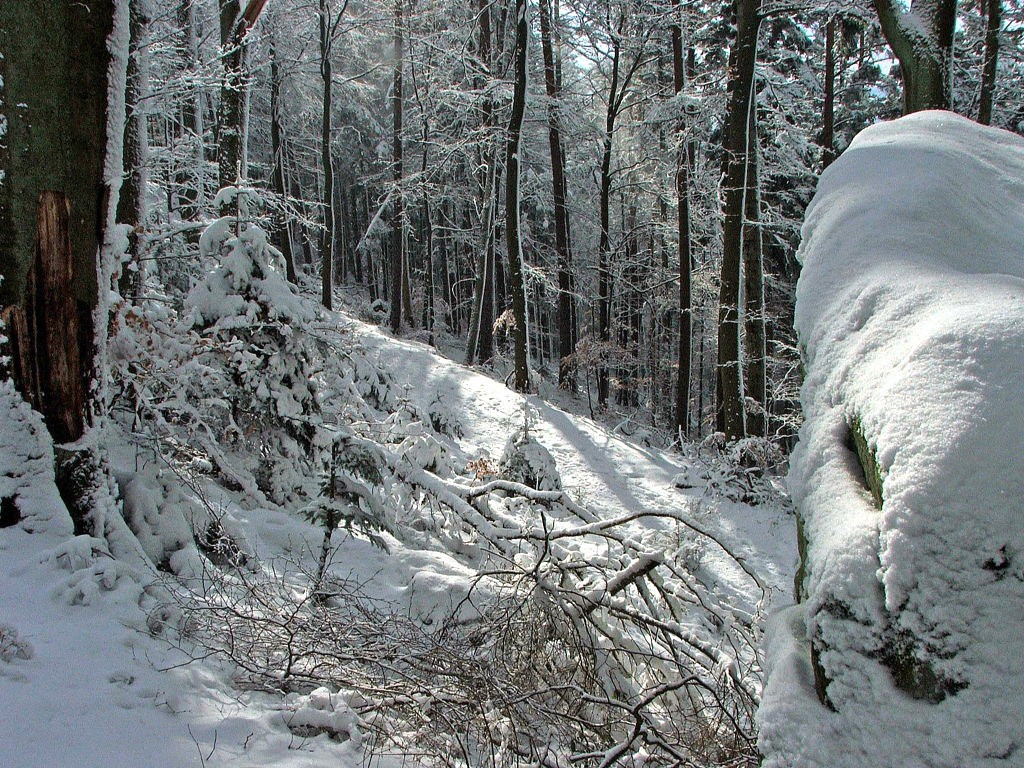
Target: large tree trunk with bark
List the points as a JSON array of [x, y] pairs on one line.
[[742, 59], [922, 39], [565, 320], [52, 198], [232, 94], [513, 239]]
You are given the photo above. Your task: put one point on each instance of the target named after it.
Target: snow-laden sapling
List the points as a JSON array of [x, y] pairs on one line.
[[13, 647], [352, 471], [528, 462], [257, 321], [442, 418]]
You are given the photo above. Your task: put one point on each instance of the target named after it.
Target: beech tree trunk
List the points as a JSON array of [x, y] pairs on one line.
[[922, 40]]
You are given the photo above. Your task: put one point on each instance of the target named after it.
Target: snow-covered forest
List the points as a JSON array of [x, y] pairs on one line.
[[511, 383]]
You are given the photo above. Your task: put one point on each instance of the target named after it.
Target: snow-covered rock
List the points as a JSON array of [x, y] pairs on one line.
[[910, 311]]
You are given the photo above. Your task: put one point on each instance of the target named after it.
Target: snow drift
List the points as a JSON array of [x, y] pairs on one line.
[[909, 479]]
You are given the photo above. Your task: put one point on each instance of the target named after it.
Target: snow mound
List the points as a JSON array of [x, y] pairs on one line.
[[908, 476]]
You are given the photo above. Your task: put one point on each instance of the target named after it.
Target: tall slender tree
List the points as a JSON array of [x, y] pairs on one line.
[[551, 86], [682, 189], [398, 261], [326, 23], [754, 383], [988, 74], [513, 234], [742, 59]]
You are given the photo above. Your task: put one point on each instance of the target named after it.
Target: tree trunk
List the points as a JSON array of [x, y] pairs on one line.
[[742, 59], [398, 225], [922, 40], [53, 198], [604, 288], [327, 251], [229, 116], [988, 74], [828, 117], [480, 344], [513, 238], [131, 205], [283, 235], [190, 197], [682, 406], [753, 289], [565, 334]]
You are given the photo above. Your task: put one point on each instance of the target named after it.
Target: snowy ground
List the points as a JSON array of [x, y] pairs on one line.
[[98, 690]]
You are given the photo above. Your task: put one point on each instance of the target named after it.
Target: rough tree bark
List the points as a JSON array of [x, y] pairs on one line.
[[53, 199]]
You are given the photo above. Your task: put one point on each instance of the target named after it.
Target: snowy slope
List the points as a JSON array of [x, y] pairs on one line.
[[611, 474], [98, 690], [910, 311]]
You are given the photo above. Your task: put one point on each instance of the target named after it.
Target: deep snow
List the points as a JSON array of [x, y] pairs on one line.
[[910, 312], [98, 690]]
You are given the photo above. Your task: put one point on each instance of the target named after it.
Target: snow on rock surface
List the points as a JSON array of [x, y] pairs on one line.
[[910, 310]]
